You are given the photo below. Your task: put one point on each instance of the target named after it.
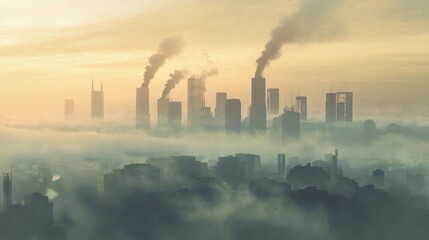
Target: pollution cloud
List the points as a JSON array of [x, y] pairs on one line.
[[311, 21], [168, 48], [175, 78], [206, 74]]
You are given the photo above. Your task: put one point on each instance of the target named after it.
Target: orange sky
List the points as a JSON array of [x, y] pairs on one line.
[[50, 50]]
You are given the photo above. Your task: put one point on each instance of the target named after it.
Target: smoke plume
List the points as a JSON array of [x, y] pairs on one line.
[[206, 74], [168, 48], [175, 78], [312, 21]]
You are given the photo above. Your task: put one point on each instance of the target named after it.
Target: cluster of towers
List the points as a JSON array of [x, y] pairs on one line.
[[227, 113]]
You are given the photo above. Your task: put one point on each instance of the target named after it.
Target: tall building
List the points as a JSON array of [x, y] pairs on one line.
[[142, 108], [132, 176], [369, 130], [175, 115], [233, 115], [231, 169], [97, 103], [339, 107], [220, 109], [345, 106], [331, 107], [195, 101], [7, 191], [291, 125], [273, 100], [281, 164], [258, 111], [163, 112], [252, 165], [301, 107], [40, 210], [69, 109]]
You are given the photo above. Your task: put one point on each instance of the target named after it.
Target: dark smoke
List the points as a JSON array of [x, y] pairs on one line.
[[168, 48], [206, 74], [308, 23], [175, 78]]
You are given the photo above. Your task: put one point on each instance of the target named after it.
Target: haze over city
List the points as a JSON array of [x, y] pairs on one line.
[[235, 120]]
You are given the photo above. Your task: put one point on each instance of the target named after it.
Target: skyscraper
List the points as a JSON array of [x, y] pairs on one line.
[[220, 109], [97, 103], [142, 108], [233, 115], [273, 100], [345, 106], [258, 111], [301, 107], [291, 125], [175, 115], [69, 109], [195, 101], [331, 107], [163, 112], [281, 164], [7, 191], [231, 169]]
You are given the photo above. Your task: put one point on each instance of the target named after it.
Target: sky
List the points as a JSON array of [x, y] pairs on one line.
[[50, 50]]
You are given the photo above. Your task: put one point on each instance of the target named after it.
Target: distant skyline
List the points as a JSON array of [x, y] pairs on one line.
[[50, 50]]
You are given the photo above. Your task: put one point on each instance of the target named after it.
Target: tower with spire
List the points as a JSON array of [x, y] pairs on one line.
[[97, 103], [7, 190]]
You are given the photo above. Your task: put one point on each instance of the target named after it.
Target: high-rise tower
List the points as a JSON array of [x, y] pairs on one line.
[[233, 115], [195, 101], [7, 191], [273, 101], [220, 109], [258, 111], [163, 112], [142, 108], [69, 109], [97, 103], [301, 107], [331, 107], [345, 106]]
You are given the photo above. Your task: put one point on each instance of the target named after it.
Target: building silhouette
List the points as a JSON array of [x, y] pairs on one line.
[[252, 165], [291, 125], [175, 115], [345, 106], [273, 101], [142, 108], [369, 130], [258, 111], [132, 176], [97, 103], [331, 107], [163, 112], [233, 115], [301, 107], [7, 191], [231, 170], [196, 103], [69, 109], [339, 107], [221, 98], [281, 164]]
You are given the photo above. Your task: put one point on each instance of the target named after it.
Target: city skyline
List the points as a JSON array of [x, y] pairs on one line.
[[382, 58]]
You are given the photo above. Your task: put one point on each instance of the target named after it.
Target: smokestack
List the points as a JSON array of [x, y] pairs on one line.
[[171, 83], [168, 48], [311, 21]]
